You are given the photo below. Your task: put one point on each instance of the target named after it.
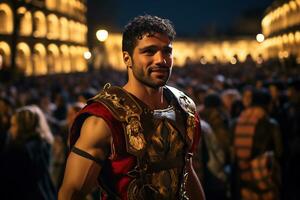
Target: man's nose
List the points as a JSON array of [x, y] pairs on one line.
[[160, 58]]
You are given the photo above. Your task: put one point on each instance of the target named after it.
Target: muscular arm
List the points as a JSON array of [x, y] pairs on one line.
[[193, 185], [81, 173]]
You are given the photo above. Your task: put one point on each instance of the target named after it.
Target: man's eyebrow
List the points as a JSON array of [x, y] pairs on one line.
[[148, 47], [169, 47]]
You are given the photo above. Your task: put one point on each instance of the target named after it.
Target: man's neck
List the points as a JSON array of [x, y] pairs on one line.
[[153, 97]]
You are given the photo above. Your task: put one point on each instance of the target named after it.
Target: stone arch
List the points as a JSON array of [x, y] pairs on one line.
[[64, 6], [23, 58], [64, 32], [81, 62], [65, 58], [39, 59], [72, 30], [5, 54], [25, 21], [73, 57], [6, 19], [51, 4], [72, 5], [53, 59], [53, 26], [40, 24]]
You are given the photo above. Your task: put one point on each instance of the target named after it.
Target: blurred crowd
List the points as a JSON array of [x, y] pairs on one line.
[[250, 114]]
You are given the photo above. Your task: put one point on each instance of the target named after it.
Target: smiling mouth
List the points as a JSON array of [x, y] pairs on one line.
[[159, 70]]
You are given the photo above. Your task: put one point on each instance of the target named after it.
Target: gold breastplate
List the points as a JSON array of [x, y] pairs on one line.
[[165, 144], [159, 139]]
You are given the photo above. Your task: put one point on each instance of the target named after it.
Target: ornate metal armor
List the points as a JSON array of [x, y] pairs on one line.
[[160, 140]]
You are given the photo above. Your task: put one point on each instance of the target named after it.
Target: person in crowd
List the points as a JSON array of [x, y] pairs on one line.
[[291, 140], [247, 96], [217, 118], [278, 100], [137, 141], [60, 149], [257, 151], [6, 110], [213, 168], [24, 169], [228, 97]]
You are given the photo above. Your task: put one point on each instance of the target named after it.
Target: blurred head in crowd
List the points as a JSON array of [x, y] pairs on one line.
[[228, 97], [147, 50], [29, 121], [275, 88], [86, 95], [72, 111], [6, 109], [200, 93], [219, 82], [212, 101], [293, 91], [261, 98], [247, 96]]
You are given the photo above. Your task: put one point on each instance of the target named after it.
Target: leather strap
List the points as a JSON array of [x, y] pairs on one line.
[[85, 154]]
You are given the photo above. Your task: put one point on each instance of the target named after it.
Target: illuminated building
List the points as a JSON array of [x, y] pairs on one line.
[[281, 26], [44, 36], [223, 51]]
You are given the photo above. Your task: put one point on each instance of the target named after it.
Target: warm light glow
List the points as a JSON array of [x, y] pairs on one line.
[[233, 60], [260, 37], [102, 35], [87, 55], [203, 61]]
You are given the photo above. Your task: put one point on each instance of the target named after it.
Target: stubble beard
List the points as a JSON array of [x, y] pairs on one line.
[[145, 78]]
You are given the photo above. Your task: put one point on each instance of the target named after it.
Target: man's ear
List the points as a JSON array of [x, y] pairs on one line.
[[127, 59]]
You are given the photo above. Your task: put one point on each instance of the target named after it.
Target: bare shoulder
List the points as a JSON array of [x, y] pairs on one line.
[[95, 136]]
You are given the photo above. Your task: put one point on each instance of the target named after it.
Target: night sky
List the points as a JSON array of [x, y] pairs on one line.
[[190, 17]]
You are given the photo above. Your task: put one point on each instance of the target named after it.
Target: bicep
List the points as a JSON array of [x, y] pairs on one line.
[[193, 186], [81, 172]]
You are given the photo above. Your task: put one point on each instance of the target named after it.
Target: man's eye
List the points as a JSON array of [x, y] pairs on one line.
[[168, 51], [149, 52]]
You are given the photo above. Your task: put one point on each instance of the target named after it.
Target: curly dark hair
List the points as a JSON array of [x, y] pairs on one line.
[[145, 24]]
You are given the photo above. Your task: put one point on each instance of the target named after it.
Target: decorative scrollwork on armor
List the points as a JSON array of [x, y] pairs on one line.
[[127, 111], [191, 125], [134, 131]]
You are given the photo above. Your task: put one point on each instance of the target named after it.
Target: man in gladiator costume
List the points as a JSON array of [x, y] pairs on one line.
[[137, 142]]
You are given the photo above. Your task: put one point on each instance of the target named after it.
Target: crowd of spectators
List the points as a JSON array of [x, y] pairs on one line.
[[223, 93]]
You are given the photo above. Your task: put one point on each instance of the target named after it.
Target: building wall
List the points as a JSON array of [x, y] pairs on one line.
[[281, 26], [51, 36], [227, 51]]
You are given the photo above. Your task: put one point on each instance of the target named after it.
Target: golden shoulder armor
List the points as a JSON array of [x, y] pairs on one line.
[[185, 102]]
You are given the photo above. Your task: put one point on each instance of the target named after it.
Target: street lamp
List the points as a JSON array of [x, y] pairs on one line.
[[102, 35], [260, 37], [87, 55]]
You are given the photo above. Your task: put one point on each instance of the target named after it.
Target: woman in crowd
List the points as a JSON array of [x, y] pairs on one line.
[[24, 169]]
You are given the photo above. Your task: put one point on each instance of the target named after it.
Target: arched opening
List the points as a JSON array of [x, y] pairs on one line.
[[64, 32], [23, 60], [72, 7], [40, 26], [73, 58], [6, 19], [81, 62], [64, 6], [5, 54], [71, 29], [53, 26], [53, 59], [39, 59], [25, 22], [65, 58], [51, 4]]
